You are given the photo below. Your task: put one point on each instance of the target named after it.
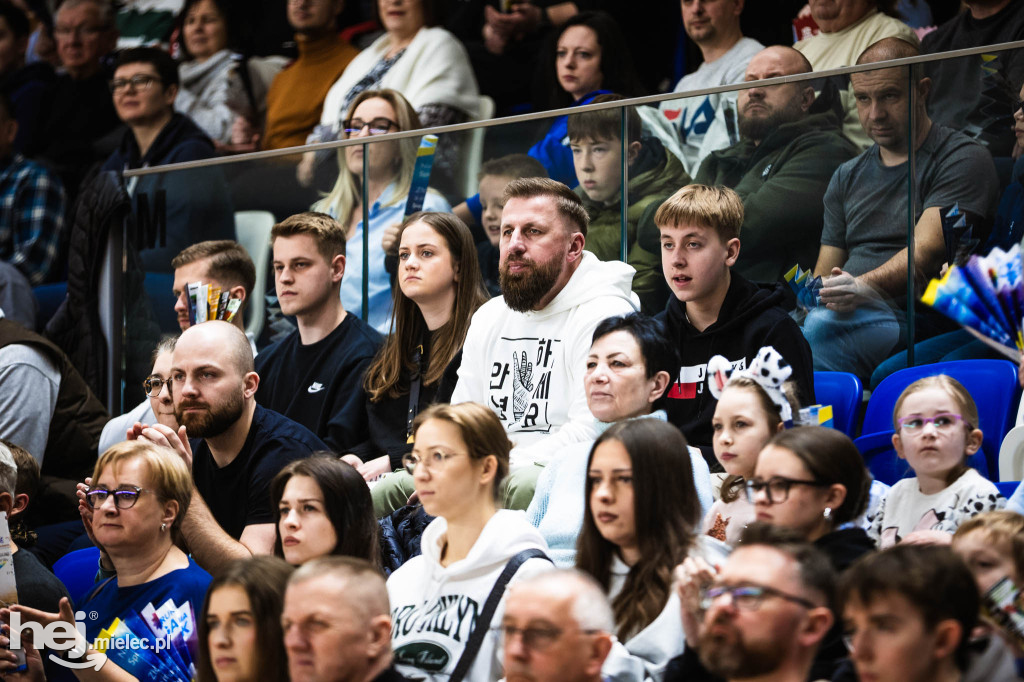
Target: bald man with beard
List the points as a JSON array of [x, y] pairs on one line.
[[790, 144], [242, 446]]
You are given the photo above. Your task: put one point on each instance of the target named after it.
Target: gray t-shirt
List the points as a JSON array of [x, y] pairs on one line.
[[866, 202], [698, 119]]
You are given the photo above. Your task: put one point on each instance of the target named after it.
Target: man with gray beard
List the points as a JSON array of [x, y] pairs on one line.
[[760, 616], [242, 447], [791, 144]]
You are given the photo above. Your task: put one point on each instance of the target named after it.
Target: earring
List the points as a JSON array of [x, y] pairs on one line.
[[827, 513], [163, 527]]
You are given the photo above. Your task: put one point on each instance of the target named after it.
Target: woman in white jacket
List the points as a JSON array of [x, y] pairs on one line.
[[638, 525], [458, 459]]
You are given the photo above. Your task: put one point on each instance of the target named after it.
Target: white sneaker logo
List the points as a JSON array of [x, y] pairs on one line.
[[316, 387]]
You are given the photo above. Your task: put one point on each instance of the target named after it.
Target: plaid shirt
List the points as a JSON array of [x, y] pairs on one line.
[[31, 218]]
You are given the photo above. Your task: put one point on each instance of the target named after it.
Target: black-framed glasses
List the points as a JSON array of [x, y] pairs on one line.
[[534, 638], [154, 384], [1017, 106], [378, 126], [748, 597], [776, 488], [434, 461], [125, 496], [140, 81]]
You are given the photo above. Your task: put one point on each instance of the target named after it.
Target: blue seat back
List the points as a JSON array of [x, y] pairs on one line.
[[843, 391], [1007, 488], [992, 384]]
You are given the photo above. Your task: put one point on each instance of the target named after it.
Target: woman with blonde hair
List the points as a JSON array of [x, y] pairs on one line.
[[385, 189], [133, 508]]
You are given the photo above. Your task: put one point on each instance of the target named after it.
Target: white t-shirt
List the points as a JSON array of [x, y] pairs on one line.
[[906, 509], [700, 121]]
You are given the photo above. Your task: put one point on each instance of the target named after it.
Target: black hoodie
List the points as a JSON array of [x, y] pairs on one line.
[[751, 317], [195, 204]]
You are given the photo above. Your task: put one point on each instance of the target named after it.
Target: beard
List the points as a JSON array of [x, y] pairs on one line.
[[758, 127], [727, 656], [211, 423], [525, 289]]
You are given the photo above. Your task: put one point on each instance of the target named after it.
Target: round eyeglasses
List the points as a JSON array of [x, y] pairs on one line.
[[154, 385]]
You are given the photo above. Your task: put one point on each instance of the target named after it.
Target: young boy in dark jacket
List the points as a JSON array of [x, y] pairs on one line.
[[716, 311]]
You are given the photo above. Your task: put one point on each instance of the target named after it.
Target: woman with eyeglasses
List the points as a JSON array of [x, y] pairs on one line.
[[459, 457], [134, 507], [157, 408], [389, 167], [812, 479], [323, 508], [415, 57], [641, 509]]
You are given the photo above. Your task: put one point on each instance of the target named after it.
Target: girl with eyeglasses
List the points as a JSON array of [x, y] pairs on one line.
[[389, 167], [458, 459], [750, 410], [641, 508], [936, 431]]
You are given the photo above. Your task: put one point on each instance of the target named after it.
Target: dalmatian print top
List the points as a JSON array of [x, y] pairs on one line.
[[906, 509]]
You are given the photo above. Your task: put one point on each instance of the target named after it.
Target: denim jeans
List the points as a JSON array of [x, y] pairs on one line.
[[854, 342]]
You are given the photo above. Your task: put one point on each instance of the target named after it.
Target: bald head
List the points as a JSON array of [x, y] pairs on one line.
[[362, 585], [762, 109], [777, 60], [225, 340]]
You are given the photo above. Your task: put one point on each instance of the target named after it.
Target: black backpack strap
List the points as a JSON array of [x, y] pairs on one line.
[[483, 621]]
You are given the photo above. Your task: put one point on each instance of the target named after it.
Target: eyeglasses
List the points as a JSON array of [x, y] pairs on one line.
[[79, 31], [776, 488], [536, 639], [139, 82], [435, 461], [154, 385], [1017, 106], [125, 496], [378, 126], [944, 422], [748, 597]]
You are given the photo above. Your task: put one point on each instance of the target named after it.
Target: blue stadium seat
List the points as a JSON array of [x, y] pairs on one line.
[[1007, 488], [843, 391], [992, 384]]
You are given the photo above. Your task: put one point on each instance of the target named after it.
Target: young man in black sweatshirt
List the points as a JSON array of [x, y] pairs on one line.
[[715, 311], [315, 374]]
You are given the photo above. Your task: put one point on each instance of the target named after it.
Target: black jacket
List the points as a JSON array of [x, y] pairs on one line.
[[400, 534], [179, 208], [751, 317]]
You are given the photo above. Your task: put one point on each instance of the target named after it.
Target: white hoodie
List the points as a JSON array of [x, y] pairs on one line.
[[434, 608], [529, 367]]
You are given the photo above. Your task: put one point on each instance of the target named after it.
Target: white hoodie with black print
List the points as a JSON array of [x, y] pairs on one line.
[[529, 367], [434, 608]]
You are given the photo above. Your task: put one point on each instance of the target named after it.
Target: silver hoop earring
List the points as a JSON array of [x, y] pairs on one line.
[[827, 513]]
